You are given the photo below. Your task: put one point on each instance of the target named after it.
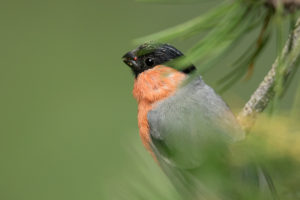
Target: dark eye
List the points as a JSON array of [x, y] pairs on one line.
[[149, 62]]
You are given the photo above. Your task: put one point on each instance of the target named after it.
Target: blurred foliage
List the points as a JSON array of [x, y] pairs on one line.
[[223, 27], [274, 148]]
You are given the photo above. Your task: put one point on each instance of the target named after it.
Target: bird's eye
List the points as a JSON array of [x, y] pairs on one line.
[[149, 62]]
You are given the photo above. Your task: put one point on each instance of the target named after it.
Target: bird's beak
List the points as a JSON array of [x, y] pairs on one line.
[[130, 60]]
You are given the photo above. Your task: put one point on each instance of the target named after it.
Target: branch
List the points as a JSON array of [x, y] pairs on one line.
[[265, 92]]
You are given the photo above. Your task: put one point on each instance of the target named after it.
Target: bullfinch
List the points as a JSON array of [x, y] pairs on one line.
[[181, 120]]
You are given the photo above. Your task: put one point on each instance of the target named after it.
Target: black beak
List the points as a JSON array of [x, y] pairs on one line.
[[130, 60]]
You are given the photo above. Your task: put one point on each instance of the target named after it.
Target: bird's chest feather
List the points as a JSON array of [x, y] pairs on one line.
[[150, 87]]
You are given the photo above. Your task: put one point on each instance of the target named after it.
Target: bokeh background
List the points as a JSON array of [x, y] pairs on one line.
[[68, 119]]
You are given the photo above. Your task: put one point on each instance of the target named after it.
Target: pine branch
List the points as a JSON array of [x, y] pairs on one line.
[[266, 92]]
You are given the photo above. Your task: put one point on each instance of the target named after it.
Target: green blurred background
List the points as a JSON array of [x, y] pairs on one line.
[[68, 118]]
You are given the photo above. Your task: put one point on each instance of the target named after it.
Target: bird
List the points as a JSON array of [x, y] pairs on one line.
[[184, 124]]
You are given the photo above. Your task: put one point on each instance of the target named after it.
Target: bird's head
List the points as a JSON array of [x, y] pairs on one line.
[[151, 54]]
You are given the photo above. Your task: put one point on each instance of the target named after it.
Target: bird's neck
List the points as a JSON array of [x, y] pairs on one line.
[[151, 86], [157, 83]]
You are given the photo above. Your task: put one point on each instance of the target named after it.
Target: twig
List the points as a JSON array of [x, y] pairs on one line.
[[265, 92]]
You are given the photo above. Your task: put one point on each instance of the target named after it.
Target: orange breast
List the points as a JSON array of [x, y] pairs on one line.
[[150, 87]]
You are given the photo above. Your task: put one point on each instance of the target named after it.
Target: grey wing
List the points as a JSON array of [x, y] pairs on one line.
[[182, 125]]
